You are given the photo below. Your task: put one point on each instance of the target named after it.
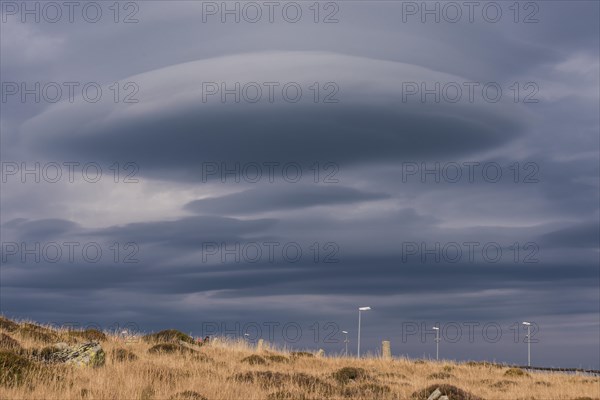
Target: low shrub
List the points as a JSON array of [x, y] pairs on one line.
[[299, 354], [270, 379], [366, 391], [187, 395], [8, 325], [45, 354], [8, 343], [263, 378], [484, 364], [254, 359], [164, 348], [503, 385], [14, 368], [37, 333], [122, 355], [440, 375], [170, 336], [348, 374], [277, 358], [515, 372], [89, 335]]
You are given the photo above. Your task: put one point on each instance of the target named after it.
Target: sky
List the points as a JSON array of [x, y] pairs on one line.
[[267, 168]]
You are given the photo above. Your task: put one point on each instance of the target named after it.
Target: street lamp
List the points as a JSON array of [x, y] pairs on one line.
[[346, 341], [528, 325], [437, 342], [359, 311]]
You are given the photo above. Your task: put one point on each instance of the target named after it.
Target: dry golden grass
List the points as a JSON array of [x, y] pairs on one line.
[[232, 370]]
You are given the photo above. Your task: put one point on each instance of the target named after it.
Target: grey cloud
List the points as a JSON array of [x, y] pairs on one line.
[[41, 229], [288, 197], [585, 235], [171, 132]]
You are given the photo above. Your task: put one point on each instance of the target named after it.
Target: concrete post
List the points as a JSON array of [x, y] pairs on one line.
[[386, 350]]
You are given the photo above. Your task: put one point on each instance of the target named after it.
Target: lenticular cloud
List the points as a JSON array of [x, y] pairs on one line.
[[271, 106]]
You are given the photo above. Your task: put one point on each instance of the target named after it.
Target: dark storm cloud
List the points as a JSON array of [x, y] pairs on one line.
[[183, 142], [187, 232], [41, 229], [177, 132], [171, 262], [290, 197], [387, 276], [580, 236]]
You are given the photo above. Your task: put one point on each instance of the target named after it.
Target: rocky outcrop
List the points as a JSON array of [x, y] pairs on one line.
[[88, 354], [438, 392]]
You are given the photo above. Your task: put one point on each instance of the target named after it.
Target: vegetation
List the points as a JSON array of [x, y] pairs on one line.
[[276, 358], [122, 355], [8, 343], [348, 374], [254, 359], [8, 325], [150, 369], [14, 368], [169, 335], [515, 372], [165, 348], [89, 334]]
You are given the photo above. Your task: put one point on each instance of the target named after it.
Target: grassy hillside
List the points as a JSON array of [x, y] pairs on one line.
[[169, 367]]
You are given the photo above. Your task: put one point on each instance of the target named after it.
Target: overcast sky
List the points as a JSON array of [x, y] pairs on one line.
[[165, 165]]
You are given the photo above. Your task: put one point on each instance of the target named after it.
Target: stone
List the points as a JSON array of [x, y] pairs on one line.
[[320, 353], [435, 395], [438, 390], [88, 354]]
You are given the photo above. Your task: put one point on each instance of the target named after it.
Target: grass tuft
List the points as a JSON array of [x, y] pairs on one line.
[[122, 355], [348, 374], [515, 372], [254, 359], [14, 368], [169, 336], [91, 335], [8, 343]]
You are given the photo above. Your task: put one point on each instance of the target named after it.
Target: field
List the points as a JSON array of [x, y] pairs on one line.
[[226, 369]]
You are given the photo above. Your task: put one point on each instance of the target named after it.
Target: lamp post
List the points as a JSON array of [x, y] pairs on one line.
[[528, 325], [360, 309], [346, 341], [437, 342]]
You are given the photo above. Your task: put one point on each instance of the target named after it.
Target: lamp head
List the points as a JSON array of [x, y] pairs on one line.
[[436, 328], [364, 308], [526, 323], [346, 332]]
